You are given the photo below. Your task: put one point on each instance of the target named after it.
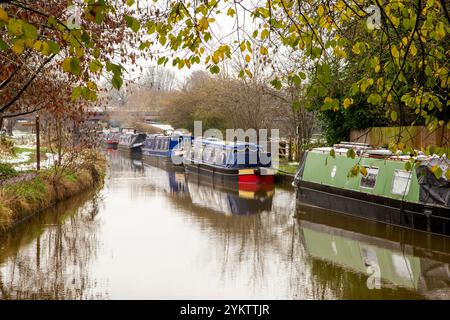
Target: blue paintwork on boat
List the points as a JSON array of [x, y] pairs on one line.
[[228, 155], [164, 146]]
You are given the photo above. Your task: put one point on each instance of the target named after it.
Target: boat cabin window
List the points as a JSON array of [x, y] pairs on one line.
[[401, 182], [166, 144], [210, 154], [370, 179], [198, 152], [179, 143], [218, 157]]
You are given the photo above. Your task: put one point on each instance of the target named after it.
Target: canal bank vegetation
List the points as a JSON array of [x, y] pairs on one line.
[[24, 194]]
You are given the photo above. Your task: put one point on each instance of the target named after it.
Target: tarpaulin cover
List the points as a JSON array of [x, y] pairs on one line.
[[301, 168], [433, 190]]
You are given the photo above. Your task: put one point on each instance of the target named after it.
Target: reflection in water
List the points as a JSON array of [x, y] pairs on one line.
[[49, 256], [417, 262], [159, 234]]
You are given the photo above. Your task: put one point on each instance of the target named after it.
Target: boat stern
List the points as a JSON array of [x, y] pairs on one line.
[[257, 175]]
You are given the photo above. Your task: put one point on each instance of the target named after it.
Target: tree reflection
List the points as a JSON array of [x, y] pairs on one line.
[[49, 256]]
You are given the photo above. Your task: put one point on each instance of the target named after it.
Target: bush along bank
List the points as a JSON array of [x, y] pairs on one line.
[[21, 198]]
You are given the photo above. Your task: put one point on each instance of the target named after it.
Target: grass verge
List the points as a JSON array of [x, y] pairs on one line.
[[20, 200]]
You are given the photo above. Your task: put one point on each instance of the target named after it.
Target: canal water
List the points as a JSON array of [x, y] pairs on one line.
[[153, 233]]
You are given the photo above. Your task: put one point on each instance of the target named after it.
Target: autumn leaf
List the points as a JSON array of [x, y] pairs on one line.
[[393, 115], [3, 15], [351, 153], [347, 102], [363, 171], [333, 153], [18, 46]]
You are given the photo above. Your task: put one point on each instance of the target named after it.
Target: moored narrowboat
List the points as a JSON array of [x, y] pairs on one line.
[[111, 139], [243, 162], [387, 192], [130, 140], [167, 146]]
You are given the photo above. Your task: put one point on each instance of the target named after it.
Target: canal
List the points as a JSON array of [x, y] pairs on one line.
[[153, 233]]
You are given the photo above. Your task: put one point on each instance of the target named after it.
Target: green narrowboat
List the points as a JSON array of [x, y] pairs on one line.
[[387, 193]]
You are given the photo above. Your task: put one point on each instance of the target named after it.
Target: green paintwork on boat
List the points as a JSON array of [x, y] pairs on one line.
[[321, 168], [395, 267]]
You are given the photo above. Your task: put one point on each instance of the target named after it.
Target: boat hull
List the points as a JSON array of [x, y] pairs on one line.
[[166, 155], [131, 149], [376, 208], [241, 176], [160, 162], [111, 145]]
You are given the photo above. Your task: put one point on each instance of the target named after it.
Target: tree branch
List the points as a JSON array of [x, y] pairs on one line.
[[22, 90], [22, 113], [444, 8]]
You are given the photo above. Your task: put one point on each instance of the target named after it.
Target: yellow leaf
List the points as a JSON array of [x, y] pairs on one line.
[[215, 58], [37, 45], [249, 74], [348, 102], [363, 171], [247, 58], [413, 49], [242, 46], [354, 170], [395, 52], [3, 15], [434, 168], [18, 47], [29, 42], [389, 98], [320, 10], [45, 49], [405, 41], [377, 68], [66, 64], [231, 12], [91, 85], [79, 52], [263, 51]]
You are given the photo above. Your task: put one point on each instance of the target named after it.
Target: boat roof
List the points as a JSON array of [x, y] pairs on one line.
[[176, 134], [226, 144], [365, 151]]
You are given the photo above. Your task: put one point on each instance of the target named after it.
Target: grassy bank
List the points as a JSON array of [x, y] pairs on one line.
[[19, 200], [289, 168]]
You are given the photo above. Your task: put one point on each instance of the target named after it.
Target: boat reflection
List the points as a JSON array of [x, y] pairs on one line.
[[223, 197], [395, 258], [230, 199]]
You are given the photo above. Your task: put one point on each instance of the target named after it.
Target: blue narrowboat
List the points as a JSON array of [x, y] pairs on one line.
[[159, 145], [244, 162]]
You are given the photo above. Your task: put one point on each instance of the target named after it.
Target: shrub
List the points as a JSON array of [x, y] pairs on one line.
[[7, 171]]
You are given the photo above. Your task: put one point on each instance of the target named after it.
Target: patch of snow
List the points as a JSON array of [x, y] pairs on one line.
[[23, 157]]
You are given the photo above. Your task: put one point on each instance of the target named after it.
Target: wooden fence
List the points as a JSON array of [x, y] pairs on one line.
[[412, 136]]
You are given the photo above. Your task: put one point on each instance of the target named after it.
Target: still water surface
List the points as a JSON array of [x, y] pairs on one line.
[[153, 233]]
